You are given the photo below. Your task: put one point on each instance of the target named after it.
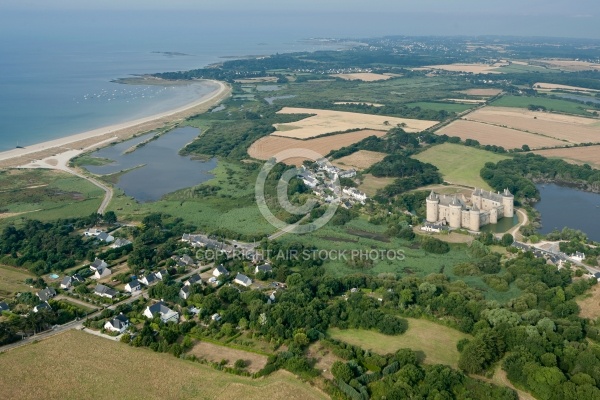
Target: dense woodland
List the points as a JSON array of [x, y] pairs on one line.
[[520, 172]]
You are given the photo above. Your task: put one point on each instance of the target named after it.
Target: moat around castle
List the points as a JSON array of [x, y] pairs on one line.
[[483, 208]]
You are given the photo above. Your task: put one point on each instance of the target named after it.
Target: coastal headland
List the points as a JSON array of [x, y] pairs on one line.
[[73, 145]]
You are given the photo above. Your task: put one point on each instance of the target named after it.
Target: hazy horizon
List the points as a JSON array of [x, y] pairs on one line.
[[333, 18]]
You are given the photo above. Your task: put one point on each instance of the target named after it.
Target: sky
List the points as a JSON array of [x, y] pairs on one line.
[[344, 18]]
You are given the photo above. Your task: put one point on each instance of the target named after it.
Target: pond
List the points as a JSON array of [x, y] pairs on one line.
[[563, 206], [156, 168], [580, 98], [503, 225], [270, 100]]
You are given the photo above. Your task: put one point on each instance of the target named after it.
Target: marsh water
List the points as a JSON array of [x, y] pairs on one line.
[[503, 225], [156, 168], [563, 206]]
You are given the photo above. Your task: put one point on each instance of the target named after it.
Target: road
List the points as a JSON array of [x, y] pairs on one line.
[[524, 222], [108, 191]]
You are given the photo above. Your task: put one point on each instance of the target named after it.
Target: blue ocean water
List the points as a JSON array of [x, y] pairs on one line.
[[56, 68]]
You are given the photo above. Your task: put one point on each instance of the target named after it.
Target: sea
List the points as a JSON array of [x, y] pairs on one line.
[[57, 68]]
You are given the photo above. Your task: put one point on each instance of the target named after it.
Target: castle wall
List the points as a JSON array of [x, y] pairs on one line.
[[456, 217], [465, 219]]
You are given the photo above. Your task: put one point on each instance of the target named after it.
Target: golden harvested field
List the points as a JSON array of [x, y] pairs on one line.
[[590, 306], [327, 121], [495, 135], [552, 86], [363, 76], [360, 160], [576, 155], [266, 147], [563, 127], [569, 65], [471, 68], [77, 365], [215, 353], [481, 92]]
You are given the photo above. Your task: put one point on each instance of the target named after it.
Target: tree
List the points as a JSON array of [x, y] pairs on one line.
[[239, 364], [507, 240], [342, 371], [110, 217]]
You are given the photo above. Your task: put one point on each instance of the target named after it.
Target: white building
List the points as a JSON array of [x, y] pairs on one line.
[[165, 313]]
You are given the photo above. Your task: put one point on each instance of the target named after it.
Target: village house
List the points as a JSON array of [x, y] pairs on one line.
[[118, 324], [162, 274], [434, 228], [105, 291], [220, 270], [3, 307], [101, 273], [164, 312], [355, 194], [98, 263], [185, 292], [133, 286], [263, 268], [215, 317], [42, 306], [120, 242], [243, 280], [69, 281], [92, 232], [105, 237], [192, 280], [351, 173], [46, 294], [577, 257], [149, 279]]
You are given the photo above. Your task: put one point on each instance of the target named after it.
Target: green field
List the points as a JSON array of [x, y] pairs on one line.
[[460, 164], [563, 106], [46, 195], [55, 369], [437, 106], [437, 342], [12, 280], [362, 237]]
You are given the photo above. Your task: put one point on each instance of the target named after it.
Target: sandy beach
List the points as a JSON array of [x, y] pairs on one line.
[[103, 136]]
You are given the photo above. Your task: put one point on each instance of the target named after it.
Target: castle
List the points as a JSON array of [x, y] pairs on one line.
[[485, 208]]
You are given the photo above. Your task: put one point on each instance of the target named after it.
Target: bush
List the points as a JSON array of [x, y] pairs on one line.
[[435, 246]]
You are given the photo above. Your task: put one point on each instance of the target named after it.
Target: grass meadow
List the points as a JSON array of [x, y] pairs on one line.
[[437, 342], [563, 106], [460, 164]]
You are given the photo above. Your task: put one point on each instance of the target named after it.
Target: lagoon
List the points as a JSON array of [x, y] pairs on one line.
[[562, 206], [155, 168]]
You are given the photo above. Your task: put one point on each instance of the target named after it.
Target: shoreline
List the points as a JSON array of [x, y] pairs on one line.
[[100, 137]]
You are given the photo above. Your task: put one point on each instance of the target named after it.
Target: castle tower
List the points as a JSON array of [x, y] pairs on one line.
[[474, 218], [476, 198], [433, 204], [455, 213], [494, 216], [508, 201]]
